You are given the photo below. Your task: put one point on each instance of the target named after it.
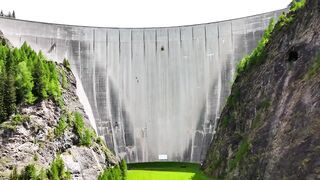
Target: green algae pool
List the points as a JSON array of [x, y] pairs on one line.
[[165, 171]]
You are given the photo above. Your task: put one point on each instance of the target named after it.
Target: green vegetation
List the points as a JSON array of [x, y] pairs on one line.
[[227, 119], [70, 118], [66, 64], [233, 103], [234, 98], [24, 80], [75, 120], [29, 172], [165, 170], [315, 68], [297, 5], [42, 175], [240, 154], [62, 126], [78, 123], [100, 141], [283, 20], [25, 76], [14, 174], [19, 119], [287, 18], [64, 83], [86, 135], [35, 157], [113, 173], [56, 171], [123, 168], [259, 54], [103, 147], [217, 163], [265, 104], [16, 120]]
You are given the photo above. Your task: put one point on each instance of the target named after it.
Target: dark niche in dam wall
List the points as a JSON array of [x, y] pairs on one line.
[[152, 91]]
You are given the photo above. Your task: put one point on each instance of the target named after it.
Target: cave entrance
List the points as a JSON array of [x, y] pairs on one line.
[[293, 56]]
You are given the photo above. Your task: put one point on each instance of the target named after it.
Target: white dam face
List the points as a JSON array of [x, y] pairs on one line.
[[154, 92]]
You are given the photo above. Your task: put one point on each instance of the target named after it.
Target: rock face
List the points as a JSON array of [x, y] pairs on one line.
[[34, 141], [4, 40], [274, 120]]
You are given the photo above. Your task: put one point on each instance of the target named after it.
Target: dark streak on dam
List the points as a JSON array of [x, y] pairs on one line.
[[152, 91]]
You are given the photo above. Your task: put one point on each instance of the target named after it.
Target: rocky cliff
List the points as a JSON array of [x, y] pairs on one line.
[[45, 131], [270, 127]]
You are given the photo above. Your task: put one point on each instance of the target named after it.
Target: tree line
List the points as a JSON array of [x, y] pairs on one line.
[[9, 15]]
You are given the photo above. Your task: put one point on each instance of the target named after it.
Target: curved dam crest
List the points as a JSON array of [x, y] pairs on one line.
[[152, 91]]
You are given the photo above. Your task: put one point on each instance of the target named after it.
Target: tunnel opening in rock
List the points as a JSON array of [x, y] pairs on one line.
[[293, 56]]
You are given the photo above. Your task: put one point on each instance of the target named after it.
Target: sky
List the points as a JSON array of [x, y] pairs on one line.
[[137, 13]]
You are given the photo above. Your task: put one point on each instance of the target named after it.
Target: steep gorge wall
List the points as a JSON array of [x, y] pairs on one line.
[[270, 127], [152, 90]]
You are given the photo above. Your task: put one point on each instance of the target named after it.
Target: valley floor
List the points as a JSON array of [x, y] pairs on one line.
[[165, 170]]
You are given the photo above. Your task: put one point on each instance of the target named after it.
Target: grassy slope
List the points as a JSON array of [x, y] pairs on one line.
[[165, 170]]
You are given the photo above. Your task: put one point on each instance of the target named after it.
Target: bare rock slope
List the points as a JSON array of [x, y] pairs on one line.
[[270, 127]]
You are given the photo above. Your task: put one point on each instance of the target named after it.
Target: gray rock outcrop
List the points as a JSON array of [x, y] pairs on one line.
[[34, 142], [270, 127]]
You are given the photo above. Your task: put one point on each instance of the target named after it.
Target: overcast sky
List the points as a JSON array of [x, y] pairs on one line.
[[137, 13]]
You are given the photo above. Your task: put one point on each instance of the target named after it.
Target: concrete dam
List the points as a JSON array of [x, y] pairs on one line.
[[154, 92]]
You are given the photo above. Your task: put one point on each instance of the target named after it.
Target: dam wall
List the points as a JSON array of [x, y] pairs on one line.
[[152, 91]]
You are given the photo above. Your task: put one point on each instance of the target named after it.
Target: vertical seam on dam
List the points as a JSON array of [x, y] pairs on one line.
[[232, 55], [94, 69], [79, 59]]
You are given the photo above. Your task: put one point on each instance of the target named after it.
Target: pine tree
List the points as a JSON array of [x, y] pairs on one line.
[[39, 77], [3, 53], [123, 168], [24, 83], [54, 85], [3, 114], [10, 90], [13, 14]]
